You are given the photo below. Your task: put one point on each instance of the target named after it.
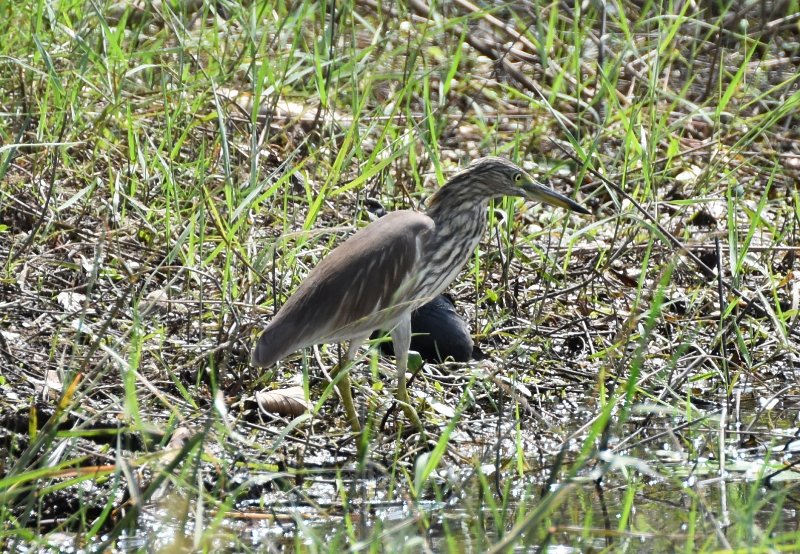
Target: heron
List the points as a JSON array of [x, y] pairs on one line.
[[378, 276]]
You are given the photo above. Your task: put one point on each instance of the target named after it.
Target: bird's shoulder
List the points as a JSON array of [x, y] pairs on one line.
[[364, 273], [399, 223], [395, 238]]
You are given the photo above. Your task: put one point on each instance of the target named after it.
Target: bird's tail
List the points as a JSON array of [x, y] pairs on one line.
[[270, 347]]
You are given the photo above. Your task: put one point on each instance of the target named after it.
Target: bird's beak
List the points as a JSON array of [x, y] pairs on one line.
[[539, 192]]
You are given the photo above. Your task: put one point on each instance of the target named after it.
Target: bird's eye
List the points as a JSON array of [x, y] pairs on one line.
[[517, 177]]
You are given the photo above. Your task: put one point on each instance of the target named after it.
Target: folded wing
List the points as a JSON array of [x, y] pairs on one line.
[[360, 286]]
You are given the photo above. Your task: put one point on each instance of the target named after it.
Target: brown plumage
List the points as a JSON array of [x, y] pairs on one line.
[[363, 275], [378, 276]]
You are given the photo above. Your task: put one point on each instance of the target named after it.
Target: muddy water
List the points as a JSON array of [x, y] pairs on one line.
[[666, 484]]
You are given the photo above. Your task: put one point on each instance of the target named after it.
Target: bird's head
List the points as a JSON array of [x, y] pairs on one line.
[[494, 177]]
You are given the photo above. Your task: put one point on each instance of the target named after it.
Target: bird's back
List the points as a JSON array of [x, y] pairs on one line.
[[355, 289]]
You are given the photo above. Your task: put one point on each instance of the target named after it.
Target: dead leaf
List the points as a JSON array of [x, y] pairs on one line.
[[290, 401], [179, 438], [52, 385], [71, 301], [159, 301], [443, 409]]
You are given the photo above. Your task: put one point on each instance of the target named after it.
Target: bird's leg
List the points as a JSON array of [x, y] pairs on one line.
[[401, 340], [343, 385]]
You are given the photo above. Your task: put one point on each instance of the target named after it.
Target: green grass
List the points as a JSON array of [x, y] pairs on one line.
[[640, 387]]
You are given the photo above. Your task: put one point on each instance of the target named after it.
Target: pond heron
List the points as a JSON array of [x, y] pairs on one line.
[[378, 276]]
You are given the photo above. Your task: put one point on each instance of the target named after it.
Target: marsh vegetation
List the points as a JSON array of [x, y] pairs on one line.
[[171, 169]]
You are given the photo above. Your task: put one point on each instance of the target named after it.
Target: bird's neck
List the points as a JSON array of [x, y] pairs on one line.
[[463, 218], [452, 200], [459, 225]]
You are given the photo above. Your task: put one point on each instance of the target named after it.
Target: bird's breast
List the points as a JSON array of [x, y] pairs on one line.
[[447, 250]]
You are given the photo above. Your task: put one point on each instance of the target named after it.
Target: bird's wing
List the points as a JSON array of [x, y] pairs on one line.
[[356, 288]]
